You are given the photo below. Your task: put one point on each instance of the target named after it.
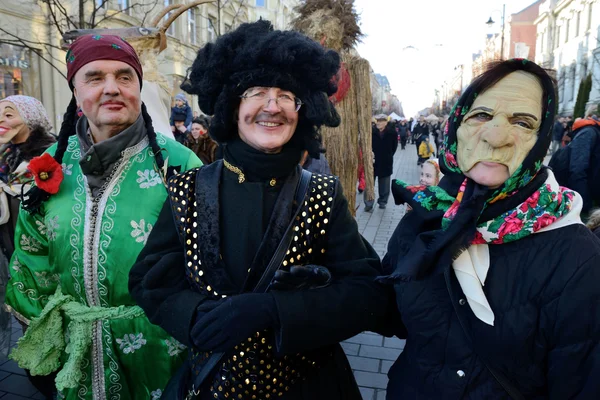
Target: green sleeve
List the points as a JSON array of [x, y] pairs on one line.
[[192, 162], [31, 277]]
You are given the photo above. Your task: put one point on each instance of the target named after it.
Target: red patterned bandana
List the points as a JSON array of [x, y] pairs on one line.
[[90, 48]]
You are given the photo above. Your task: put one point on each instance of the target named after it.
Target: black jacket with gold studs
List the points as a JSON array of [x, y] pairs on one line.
[[196, 253]]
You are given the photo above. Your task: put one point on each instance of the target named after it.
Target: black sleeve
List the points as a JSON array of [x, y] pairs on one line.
[[354, 302], [573, 365], [394, 142], [157, 280], [581, 148]]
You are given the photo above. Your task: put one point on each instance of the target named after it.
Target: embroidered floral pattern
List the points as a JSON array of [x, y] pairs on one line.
[[67, 169], [141, 231], [30, 244], [41, 227], [45, 279], [52, 227], [148, 178], [174, 347], [156, 395], [131, 342], [16, 265]]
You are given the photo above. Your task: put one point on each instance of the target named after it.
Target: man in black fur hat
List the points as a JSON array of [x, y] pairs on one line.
[[255, 264]]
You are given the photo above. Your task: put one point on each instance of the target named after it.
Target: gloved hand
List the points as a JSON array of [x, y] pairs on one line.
[[301, 277], [233, 321]]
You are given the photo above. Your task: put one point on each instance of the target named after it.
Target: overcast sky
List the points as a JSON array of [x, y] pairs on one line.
[[417, 43]]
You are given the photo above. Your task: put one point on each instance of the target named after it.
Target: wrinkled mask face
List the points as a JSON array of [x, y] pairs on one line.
[[12, 126], [500, 129]]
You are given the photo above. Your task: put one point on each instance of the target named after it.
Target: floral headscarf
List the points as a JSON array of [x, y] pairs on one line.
[[534, 160], [463, 208]]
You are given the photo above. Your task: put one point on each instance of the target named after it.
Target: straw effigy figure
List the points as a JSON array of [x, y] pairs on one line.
[[334, 23], [148, 43]]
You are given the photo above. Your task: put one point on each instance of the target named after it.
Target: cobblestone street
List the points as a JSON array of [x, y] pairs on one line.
[[370, 355]]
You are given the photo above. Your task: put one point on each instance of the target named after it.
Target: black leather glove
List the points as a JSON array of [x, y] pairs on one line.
[[233, 321], [301, 277]]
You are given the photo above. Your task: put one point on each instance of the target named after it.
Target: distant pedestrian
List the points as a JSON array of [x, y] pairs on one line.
[[558, 131], [578, 165], [420, 131], [181, 131], [199, 141], [385, 143], [426, 150], [403, 132], [181, 108]]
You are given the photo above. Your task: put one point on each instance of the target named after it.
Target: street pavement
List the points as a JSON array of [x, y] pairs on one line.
[[370, 355]]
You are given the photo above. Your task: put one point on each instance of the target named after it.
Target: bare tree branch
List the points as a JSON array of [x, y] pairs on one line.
[[25, 44]]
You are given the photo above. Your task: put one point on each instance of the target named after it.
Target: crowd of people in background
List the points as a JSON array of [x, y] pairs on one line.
[[189, 286]]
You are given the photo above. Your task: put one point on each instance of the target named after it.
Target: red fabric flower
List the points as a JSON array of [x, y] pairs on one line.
[[543, 222], [47, 173], [511, 224]]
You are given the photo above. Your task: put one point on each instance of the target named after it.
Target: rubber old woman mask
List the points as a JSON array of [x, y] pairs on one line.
[[500, 129]]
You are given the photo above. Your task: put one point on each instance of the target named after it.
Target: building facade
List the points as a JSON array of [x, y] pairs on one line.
[[32, 62], [567, 41]]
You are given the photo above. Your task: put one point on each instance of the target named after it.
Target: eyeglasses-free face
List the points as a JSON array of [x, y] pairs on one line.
[[267, 118]]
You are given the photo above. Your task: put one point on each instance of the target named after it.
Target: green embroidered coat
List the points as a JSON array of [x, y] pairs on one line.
[[88, 246]]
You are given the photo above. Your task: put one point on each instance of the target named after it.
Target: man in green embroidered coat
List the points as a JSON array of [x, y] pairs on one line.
[[75, 247]]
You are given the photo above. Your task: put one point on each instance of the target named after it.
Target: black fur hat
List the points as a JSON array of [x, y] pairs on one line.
[[256, 55]]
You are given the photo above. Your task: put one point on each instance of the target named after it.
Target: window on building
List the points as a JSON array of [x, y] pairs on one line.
[[567, 30], [557, 41], [191, 26], [19, 71], [212, 29], [101, 3], [577, 23], [260, 3], [589, 21], [542, 49], [171, 30], [124, 6]]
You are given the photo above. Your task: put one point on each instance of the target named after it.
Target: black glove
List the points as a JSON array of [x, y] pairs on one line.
[[233, 321], [301, 277]]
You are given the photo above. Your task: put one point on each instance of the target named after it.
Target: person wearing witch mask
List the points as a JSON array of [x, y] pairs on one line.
[[97, 196], [495, 276], [25, 133]]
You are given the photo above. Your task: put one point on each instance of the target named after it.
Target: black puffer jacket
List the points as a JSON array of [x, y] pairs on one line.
[[584, 166], [545, 295]]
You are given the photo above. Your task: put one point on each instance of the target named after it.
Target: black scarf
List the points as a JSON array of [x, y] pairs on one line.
[[259, 166]]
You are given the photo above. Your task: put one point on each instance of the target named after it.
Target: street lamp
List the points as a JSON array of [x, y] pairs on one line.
[[491, 22]]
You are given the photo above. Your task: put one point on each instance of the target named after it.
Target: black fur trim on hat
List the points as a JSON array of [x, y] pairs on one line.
[[256, 55]]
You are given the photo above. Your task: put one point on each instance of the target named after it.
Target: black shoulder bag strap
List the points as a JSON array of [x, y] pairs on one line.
[[508, 387], [274, 264]]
